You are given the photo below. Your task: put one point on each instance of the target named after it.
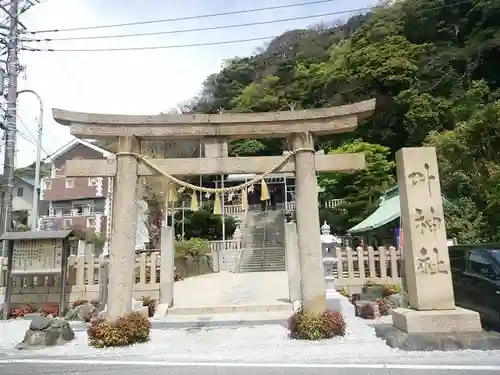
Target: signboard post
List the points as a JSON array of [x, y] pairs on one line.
[[36, 254]]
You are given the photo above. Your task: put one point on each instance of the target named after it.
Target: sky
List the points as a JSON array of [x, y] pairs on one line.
[[138, 81]]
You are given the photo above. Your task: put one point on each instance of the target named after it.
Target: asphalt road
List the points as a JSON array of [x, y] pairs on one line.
[[120, 368]]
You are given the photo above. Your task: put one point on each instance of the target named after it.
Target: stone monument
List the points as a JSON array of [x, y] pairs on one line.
[[334, 300], [426, 259]]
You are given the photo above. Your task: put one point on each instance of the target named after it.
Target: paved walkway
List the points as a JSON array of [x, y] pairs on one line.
[[226, 288]]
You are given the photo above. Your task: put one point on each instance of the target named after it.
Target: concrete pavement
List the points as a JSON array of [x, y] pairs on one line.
[[164, 368]]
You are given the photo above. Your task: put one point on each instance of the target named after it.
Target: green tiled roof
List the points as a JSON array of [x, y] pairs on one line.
[[387, 211]]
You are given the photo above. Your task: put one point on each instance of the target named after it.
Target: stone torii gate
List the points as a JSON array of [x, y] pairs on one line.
[[299, 127]]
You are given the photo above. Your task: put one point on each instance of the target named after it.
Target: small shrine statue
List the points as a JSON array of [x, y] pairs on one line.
[[327, 237]]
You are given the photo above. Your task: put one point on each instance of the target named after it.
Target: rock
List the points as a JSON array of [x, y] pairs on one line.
[[372, 292], [396, 338], [44, 332], [367, 309], [394, 300], [39, 323], [84, 311]]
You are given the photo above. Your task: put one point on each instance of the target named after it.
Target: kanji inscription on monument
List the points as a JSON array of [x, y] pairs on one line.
[[37, 256], [426, 260]]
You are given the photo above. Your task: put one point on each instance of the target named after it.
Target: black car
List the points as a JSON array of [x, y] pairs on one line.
[[476, 280]]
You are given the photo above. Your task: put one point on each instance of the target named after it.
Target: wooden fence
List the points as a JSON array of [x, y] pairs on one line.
[[355, 268]]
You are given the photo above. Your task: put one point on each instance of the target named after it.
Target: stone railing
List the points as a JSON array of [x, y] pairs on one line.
[[226, 253], [354, 268]]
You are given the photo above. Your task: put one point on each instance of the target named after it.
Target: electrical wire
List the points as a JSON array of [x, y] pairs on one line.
[[202, 44], [182, 31], [34, 141], [149, 47], [148, 22]]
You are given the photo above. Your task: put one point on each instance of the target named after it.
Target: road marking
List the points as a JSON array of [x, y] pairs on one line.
[[251, 365]]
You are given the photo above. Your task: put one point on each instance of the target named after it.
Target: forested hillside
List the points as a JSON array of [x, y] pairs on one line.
[[434, 66]]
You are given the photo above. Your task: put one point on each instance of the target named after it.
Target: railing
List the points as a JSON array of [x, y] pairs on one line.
[[237, 209], [354, 268], [228, 253], [73, 212]]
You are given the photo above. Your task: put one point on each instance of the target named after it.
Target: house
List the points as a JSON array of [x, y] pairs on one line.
[[22, 202], [82, 202]]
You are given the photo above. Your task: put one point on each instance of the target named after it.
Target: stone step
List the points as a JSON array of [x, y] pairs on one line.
[[258, 265], [262, 269], [230, 309], [227, 319]]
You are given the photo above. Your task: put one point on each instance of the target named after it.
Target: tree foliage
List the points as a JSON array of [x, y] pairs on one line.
[[433, 67]]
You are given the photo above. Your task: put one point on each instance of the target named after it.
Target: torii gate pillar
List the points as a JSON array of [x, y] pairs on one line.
[[312, 282]]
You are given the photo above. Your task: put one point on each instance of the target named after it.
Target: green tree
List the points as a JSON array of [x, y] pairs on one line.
[[359, 189]]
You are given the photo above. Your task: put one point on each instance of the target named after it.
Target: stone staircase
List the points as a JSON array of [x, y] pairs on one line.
[[264, 242]]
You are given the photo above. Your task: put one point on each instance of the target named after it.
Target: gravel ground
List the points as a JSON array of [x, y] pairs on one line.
[[265, 343]]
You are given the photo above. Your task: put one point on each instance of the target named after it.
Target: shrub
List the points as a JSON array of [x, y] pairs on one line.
[[384, 307], [47, 310], [369, 310], [390, 289], [151, 305], [309, 326], [178, 276], [130, 329], [79, 302], [21, 311], [344, 292]]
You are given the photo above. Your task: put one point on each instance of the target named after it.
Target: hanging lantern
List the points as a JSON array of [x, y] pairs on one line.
[[217, 205], [244, 199], [194, 201], [171, 193], [264, 191]]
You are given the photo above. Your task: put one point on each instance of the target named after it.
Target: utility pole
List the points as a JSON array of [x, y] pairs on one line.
[[10, 119]]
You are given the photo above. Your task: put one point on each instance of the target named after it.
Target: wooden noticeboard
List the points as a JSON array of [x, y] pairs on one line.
[[37, 254], [37, 257]]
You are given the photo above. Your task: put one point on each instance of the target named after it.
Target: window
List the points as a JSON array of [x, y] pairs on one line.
[[457, 259], [70, 183], [91, 222], [481, 266], [47, 184], [67, 223], [20, 191], [92, 181]]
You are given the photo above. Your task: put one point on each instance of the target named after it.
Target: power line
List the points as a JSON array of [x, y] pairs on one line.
[[221, 27], [203, 44], [149, 47], [26, 127], [254, 10]]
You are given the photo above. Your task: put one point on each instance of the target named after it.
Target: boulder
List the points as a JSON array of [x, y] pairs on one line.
[[394, 300], [85, 311], [44, 332]]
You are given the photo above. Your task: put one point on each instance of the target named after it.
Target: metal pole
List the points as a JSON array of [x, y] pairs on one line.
[[10, 121], [201, 182], [183, 217], [36, 195], [223, 214]]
